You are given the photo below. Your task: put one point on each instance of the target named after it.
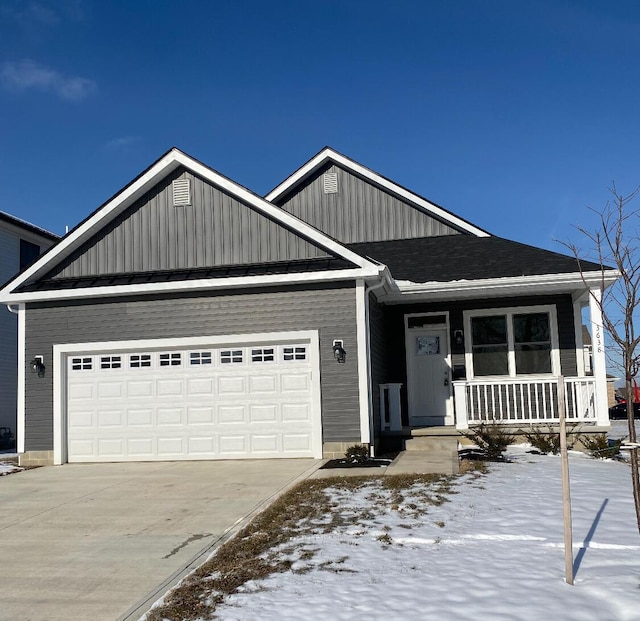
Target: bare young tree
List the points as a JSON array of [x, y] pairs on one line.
[[616, 243]]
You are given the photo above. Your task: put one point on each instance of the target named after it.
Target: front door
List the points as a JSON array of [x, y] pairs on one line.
[[429, 381]]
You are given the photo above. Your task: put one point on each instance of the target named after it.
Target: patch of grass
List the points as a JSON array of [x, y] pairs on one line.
[[267, 545]]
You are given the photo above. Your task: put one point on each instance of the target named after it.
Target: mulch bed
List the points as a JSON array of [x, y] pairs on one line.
[[372, 462]]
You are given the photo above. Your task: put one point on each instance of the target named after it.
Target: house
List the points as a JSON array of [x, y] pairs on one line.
[[20, 243], [189, 318]]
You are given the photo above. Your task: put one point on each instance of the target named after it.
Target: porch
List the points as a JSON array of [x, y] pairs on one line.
[[510, 401]]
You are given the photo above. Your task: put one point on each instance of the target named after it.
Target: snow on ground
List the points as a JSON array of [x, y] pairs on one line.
[[8, 468], [493, 552]]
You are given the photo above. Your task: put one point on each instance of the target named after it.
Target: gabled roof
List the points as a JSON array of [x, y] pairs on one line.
[[330, 155], [170, 161], [27, 226]]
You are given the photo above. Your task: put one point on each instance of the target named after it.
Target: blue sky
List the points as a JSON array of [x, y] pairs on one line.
[[513, 114]]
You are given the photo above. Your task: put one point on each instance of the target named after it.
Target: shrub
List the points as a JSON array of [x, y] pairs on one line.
[[549, 441], [357, 454], [491, 438], [601, 447]]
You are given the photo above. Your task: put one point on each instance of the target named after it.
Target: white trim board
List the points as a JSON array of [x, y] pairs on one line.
[[329, 155], [209, 284], [172, 160], [62, 351]]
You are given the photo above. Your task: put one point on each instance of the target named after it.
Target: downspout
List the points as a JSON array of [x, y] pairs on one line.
[[386, 278]]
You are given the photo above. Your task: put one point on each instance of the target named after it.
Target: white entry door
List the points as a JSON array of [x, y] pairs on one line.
[[429, 377]]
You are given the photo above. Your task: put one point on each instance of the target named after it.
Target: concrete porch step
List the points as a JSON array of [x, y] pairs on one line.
[[432, 444], [425, 462]]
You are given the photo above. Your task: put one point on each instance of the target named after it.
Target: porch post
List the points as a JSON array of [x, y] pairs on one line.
[[460, 404], [599, 360]]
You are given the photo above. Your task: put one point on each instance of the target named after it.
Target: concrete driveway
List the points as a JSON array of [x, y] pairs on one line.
[[103, 541]]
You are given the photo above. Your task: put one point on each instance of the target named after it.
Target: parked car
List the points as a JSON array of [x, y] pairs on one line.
[[619, 411]]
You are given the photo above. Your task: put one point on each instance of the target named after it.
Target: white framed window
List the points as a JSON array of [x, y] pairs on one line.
[[294, 352], [137, 361], [512, 342], [171, 360], [231, 356], [263, 354], [81, 364], [200, 357], [110, 362]]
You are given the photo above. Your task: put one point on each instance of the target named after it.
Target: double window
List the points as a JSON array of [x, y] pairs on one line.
[[512, 342]]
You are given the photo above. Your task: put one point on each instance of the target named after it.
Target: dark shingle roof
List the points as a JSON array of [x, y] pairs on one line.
[[227, 271], [466, 257]]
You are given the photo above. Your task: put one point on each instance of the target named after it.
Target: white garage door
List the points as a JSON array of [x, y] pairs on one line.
[[199, 403]]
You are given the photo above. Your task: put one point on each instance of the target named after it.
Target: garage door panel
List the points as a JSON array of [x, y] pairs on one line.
[[81, 419], [296, 443], [263, 413], [232, 414], [201, 386], [200, 416], [110, 418], [263, 384], [170, 416], [80, 391], [295, 382], [225, 403], [232, 445], [296, 412], [235, 385], [140, 389], [264, 443], [170, 387], [140, 418], [140, 447]]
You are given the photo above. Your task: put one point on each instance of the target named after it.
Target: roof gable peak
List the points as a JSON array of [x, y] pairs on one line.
[[419, 202]]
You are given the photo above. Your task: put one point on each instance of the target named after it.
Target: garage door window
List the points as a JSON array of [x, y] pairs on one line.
[[231, 356], [200, 357], [110, 362], [81, 364], [294, 353], [137, 361], [170, 360], [265, 354]]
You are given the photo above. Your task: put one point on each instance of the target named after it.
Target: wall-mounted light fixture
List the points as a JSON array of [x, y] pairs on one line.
[[458, 337], [339, 352], [37, 365]]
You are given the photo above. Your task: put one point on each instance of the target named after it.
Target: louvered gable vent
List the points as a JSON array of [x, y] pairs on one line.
[[330, 180], [181, 192]]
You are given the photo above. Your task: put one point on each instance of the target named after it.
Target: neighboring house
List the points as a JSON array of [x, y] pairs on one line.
[[188, 318], [20, 244]]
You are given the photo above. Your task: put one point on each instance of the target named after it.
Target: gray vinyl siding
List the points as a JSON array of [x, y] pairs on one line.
[[360, 211], [10, 236], [330, 310], [216, 229]]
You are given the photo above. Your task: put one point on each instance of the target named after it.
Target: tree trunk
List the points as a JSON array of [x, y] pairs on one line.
[[635, 479]]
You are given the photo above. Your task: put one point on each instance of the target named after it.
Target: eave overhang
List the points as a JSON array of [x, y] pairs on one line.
[[408, 292], [187, 286]]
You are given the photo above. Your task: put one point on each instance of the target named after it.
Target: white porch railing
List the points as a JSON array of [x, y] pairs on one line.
[[520, 401]]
